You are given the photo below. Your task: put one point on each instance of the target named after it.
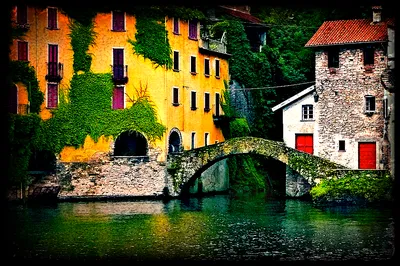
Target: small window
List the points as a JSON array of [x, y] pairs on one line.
[[333, 58], [193, 29], [22, 51], [175, 22], [385, 108], [118, 21], [176, 60], [193, 64], [52, 18], [193, 100], [369, 104], [206, 138], [207, 67], [52, 95], [342, 145], [22, 15], [175, 96], [217, 68], [206, 102], [368, 55], [217, 103], [307, 112], [193, 140], [118, 98]]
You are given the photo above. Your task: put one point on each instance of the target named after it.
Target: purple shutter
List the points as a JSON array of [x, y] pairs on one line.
[[53, 60], [52, 18], [52, 95], [22, 14], [176, 26], [193, 29], [118, 98], [23, 51], [118, 21]]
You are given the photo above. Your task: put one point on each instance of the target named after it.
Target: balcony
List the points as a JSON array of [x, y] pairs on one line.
[[210, 45], [54, 72], [120, 74]]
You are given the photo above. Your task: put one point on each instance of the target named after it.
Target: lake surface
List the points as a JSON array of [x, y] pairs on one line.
[[212, 228]]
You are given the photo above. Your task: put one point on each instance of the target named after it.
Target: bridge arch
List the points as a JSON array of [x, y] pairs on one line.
[[183, 168]]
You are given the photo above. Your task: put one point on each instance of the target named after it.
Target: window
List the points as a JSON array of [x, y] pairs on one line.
[[176, 60], [22, 51], [217, 104], [53, 60], [307, 112], [333, 58], [207, 67], [52, 18], [118, 98], [206, 138], [118, 21], [175, 22], [217, 68], [193, 64], [193, 29], [22, 15], [175, 96], [193, 100], [118, 63], [193, 141], [206, 102], [385, 108], [369, 104], [368, 55], [52, 95], [342, 145]]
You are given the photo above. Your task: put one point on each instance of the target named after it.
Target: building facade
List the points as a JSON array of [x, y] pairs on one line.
[[186, 97], [349, 104]]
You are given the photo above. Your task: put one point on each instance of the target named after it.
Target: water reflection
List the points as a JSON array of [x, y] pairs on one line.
[[220, 227]]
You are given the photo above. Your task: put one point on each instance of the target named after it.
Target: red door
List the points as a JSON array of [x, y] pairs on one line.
[[304, 142], [367, 155]]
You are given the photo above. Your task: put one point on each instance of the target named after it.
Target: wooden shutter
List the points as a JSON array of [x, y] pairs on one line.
[[118, 98], [52, 95]]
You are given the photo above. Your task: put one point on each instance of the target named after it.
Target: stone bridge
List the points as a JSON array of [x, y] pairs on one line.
[[185, 167]]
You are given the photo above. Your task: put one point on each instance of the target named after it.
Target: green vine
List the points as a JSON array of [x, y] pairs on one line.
[[20, 71], [152, 39], [82, 36]]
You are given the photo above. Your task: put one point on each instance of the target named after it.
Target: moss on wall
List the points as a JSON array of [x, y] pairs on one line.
[[365, 185]]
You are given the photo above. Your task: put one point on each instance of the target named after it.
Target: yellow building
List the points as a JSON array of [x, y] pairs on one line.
[[186, 97]]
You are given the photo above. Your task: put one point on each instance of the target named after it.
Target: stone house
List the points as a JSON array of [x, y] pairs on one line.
[[347, 109]]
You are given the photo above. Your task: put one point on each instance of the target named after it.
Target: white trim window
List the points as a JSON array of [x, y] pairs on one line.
[[307, 112], [370, 104]]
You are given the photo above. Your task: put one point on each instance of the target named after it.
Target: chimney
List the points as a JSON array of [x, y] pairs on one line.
[[376, 14]]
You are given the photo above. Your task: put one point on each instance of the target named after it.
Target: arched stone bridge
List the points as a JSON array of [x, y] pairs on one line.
[[185, 167]]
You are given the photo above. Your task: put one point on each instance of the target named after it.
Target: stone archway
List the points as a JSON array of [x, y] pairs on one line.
[[131, 143], [174, 141]]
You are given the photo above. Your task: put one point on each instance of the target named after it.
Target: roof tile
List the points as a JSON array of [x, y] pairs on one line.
[[349, 32]]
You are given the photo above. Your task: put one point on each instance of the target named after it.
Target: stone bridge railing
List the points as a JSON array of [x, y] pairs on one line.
[[184, 168]]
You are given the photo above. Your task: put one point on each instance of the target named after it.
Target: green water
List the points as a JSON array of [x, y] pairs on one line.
[[217, 228]]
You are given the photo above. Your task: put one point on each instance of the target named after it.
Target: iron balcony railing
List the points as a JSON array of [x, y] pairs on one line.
[[120, 74], [54, 72]]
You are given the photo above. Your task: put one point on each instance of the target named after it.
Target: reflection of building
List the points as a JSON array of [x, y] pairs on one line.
[[186, 97], [345, 117]]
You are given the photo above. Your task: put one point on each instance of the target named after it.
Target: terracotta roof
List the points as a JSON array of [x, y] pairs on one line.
[[349, 32], [242, 15]]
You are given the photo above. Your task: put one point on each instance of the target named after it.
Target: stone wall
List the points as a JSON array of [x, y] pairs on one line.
[[340, 109]]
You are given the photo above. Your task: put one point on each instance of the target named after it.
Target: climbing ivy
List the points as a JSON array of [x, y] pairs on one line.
[[21, 71], [82, 36], [152, 39]]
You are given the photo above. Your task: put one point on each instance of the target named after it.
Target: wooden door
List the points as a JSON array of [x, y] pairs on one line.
[[367, 155], [304, 142]]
